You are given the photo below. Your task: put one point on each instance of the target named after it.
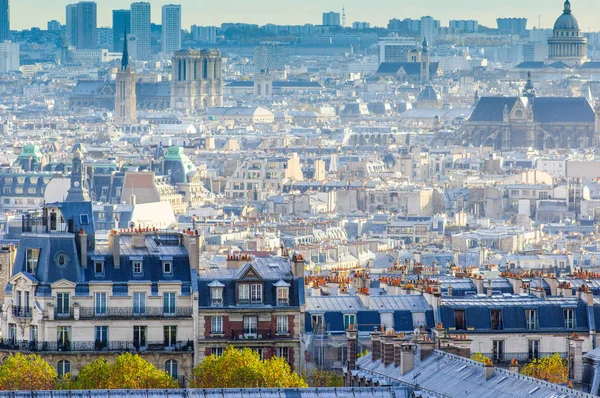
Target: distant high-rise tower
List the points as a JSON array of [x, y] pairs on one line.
[[71, 21], [125, 98], [197, 80], [86, 25], [140, 27], [332, 19], [171, 28], [4, 20], [121, 22]]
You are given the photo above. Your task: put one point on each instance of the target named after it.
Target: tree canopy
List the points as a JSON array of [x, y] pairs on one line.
[[551, 368], [244, 369], [479, 357], [26, 372]]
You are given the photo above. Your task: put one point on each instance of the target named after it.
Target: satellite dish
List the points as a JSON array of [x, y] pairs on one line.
[[417, 331]]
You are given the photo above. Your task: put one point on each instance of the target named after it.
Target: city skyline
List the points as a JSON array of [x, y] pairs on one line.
[[270, 11]]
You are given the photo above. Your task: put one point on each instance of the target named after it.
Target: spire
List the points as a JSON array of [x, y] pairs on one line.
[[425, 44], [529, 90], [567, 9], [125, 58]]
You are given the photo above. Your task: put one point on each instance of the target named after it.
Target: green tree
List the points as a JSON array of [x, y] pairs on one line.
[[551, 368], [244, 369], [27, 372], [479, 357]]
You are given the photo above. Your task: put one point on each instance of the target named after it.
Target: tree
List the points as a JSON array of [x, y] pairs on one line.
[[130, 372], [551, 368], [324, 378], [244, 369], [27, 372], [479, 357]]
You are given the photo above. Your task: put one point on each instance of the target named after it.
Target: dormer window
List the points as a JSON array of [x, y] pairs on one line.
[[167, 267], [99, 268], [216, 293], [283, 293], [31, 260], [137, 267]]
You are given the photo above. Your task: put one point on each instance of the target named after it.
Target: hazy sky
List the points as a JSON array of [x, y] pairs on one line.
[[27, 13]]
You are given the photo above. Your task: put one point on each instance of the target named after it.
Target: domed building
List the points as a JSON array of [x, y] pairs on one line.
[[429, 98], [567, 44]]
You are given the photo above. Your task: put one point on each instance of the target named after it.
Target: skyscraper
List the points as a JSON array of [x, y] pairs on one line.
[[86, 25], [121, 22], [140, 27], [171, 28], [4, 20], [331, 19], [71, 21]]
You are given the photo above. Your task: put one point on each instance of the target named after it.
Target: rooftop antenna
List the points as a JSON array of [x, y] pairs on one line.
[[344, 16], [539, 21]]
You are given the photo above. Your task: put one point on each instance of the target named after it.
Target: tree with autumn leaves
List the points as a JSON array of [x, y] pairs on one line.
[[550, 368], [26, 372], [244, 369]]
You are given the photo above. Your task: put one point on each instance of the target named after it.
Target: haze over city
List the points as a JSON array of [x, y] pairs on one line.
[[306, 11]]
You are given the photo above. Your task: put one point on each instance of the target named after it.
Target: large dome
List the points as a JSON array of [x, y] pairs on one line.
[[566, 21]]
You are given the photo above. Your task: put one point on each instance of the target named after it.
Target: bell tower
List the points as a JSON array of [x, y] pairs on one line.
[[425, 62], [125, 96], [76, 192]]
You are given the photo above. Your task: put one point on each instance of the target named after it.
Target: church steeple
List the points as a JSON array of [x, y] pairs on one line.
[[77, 192], [529, 90], [125, 58]]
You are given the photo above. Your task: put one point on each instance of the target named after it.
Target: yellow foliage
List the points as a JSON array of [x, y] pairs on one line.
[[324, 378], [550, 368], [244, 369], [479, 357], [27, 372]]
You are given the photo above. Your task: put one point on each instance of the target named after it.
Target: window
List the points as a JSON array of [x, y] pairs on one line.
[[12, 333], [137, 268], [316, 321], [459, 320], [139, 303], [31, 260], [244, 293], [167, 268], [531, 319], [256, 293], [217, 351], [533, 350], [250, 325], [569, 315], [216, 296], [284, 352], [62, 304], [387, 320], [498, 350], [139, 336], [99, 268], [63, 367], [33, 334], [496, 316], [100, 303], [349, 319], [169, 304], [216, 324], [171, 368], [283, 324], [63, 338], [170, 336], [84, 219], [283, 296], [101, 337]]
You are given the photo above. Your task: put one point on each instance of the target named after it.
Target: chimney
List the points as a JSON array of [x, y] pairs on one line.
[[82, 242], [407, 358], [450, 290], [398, 350], [376, 342], [115, 247], [575, 358], [426, 347], [298, 265], [514, 366], [478, 284], [387, 348], [234, 261], [553, 283], [351, 348], [489, 371], [462, 344], [138, 239], [133, 200]]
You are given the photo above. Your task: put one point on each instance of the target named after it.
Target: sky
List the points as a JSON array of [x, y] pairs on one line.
[[28, 13]]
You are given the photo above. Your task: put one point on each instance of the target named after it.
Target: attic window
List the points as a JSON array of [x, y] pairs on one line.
[[99, 268], [137, 267], [84, 219], [31, 260], [167, 267]]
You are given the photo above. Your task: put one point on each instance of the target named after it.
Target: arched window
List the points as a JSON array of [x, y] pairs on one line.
[[171, 368], [63, 368]]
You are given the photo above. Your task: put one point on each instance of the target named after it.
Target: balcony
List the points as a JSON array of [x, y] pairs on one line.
[[22, 312], [97, 346], [130, 312], [260, 335]]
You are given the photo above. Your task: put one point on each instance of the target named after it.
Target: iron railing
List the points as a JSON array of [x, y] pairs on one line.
[[22, 312], [130, 312], [521, 357], [262, 334], [95, 346]]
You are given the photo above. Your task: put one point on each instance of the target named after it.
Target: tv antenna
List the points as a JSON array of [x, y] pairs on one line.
[[344, 16]]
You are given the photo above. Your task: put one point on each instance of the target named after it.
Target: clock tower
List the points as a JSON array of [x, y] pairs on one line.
[[77, 193]]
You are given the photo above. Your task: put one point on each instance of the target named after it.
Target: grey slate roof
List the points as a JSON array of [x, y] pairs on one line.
[[545, 109]]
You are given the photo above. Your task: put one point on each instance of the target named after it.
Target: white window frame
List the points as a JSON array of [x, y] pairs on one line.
[[244, 293], [96, 263], [167, 267], [283, 324], [283, 296], [63, 367], [569, 317], [138, 267], [217, 351], [100, 297], [531, 319], [216, 296], [171, 331], [256, 293], [349, 319], [139, 303], [216, 324], [171, 307], [250, 326]]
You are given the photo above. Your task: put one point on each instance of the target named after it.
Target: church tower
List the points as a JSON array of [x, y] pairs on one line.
[[529, 90], [425, 63], [125, 97], [77, 192]]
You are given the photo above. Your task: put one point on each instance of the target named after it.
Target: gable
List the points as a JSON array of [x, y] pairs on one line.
[[250, 274]]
